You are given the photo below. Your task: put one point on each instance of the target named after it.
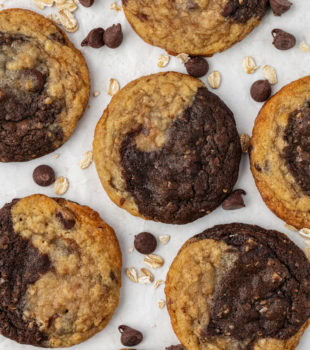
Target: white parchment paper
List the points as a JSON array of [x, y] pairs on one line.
[[134, 58]]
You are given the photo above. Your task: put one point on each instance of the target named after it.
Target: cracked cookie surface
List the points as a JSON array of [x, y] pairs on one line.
[[167, 149], [60, 272], [44, 86], [239, 287], [195, 27], [280, 153]]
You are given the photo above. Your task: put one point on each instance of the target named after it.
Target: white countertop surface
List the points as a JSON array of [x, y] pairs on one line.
[[134, 58]]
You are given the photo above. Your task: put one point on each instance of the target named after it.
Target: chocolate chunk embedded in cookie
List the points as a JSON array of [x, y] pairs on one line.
[[44, 86], [280, 155], [195, 27], [167, 149], [239, 287], [60, 268]]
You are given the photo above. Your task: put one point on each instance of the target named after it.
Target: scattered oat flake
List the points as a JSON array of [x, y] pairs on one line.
[[163, 61], [290, 227], [115, 6], [304, 46], [61, 185], [114, 87], [69, 5], [164, 239], [41, 4], [214, 79], [158, 283], [161, 303], [270, 74], [245, 142], [249, 65], [154, 261], [96, 93], [132, 274], [144, 280], [184, 57], [68, 21], [148, 273], [86, 160]]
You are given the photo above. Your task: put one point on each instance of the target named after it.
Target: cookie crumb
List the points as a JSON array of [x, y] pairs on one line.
[[304, 46], [61, 185], [96, 93], [86, 160], [163, 61], [249, 65], [161, 303], [131, 249], [214, 79], [183, 57], [56, 156], [158, 283], [164, 239], [114, 6], [245, 142], [114, 87], [270, 74]]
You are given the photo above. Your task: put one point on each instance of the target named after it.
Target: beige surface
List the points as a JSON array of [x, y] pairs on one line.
[[68, 74], [168, 24], [190, 283], [78, 288], [153, 101], [275, 183]]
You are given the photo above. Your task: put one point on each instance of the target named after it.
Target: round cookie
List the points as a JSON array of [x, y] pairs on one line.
[[167, 149], [280, 153], [195, 27], [44, 86], [60, 269], [239, 287]]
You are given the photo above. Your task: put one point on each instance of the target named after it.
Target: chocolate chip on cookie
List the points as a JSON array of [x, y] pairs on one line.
[[87, 3], [130, 336], [43, 175], [197, 66], [280, 6], [145, 243], [113, 36], [283, 40], [234, 200], [261, 90], [94, 38]]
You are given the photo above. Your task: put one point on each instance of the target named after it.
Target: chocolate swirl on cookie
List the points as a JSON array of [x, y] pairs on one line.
[[297, 151], [191, 174]]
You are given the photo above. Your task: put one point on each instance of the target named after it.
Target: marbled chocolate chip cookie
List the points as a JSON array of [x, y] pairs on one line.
[[60, 272], [44, 86], [167, 149], [239, 287], [280, 153], [195, 27]]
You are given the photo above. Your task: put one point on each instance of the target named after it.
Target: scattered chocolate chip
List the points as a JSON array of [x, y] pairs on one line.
[[43, 175], [4, 242], [280, 6], [175, 347], [145, 243], [113, 36], [94, 38], [283, 40], [197, 66], [130, 336], [261, 90], [67, 219], [87, 3], [234, 200]]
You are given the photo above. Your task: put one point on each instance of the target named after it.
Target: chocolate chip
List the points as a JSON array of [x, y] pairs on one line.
[[234, 200], [94, 38], [130, 336], [87, 3], [113, 36], [197, 66], [67, 219], [43, 175], [283, 40], [145, 243], [261, 90], [175, 347], [280, 6]]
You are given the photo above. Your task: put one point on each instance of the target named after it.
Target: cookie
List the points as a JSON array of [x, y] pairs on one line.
[[167, 149], [280, 153], [195, 27], [44, 86], [239, 287], [60, 269]]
